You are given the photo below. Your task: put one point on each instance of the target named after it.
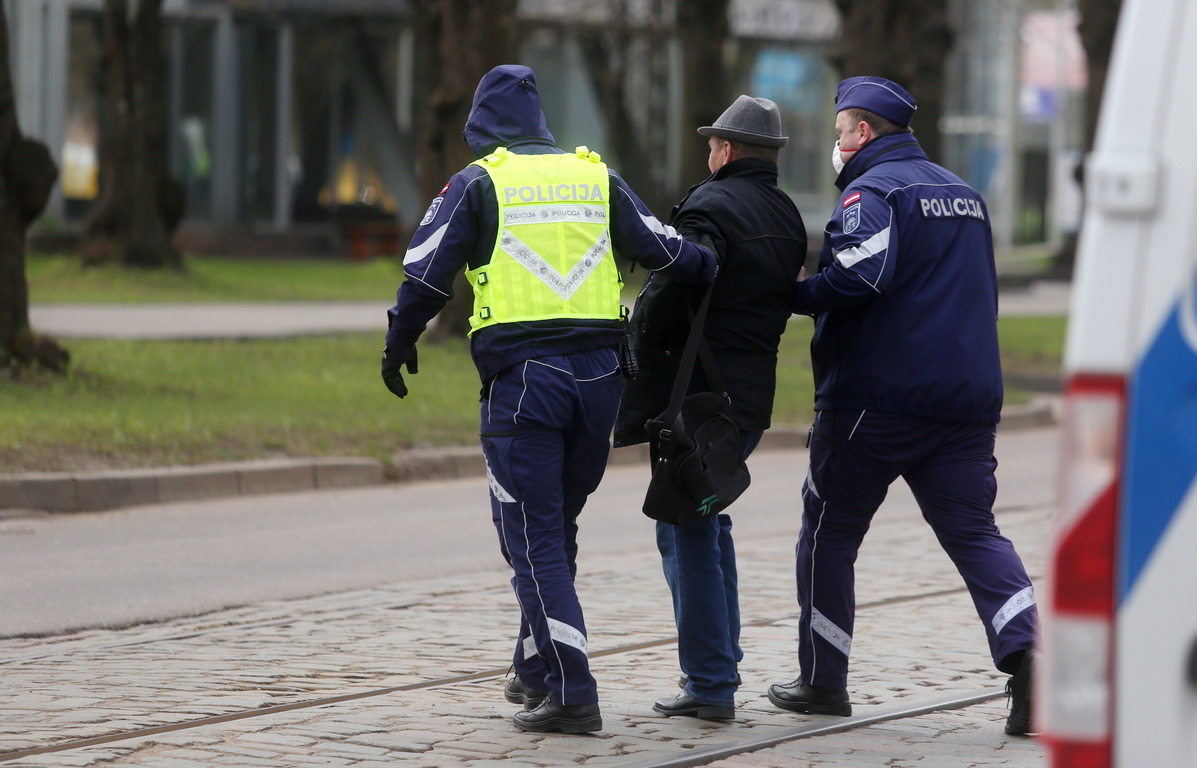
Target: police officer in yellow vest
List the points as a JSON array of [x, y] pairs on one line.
[[536, 230]]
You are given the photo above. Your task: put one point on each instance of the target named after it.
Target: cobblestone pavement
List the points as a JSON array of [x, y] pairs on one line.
[[382, 650]]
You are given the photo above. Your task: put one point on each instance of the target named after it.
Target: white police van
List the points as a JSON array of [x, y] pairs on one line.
[[1117, 683]]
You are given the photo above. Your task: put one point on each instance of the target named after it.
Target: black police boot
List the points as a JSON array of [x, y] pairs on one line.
[[551, 716], [684, 705], [809, 700], [1018, 688], [517, 693]]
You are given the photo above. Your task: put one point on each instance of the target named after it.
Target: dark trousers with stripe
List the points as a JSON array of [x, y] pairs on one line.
[[545, 430], [949, 466]]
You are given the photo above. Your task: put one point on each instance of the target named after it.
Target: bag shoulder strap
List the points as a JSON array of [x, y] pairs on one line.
[[695, 344]]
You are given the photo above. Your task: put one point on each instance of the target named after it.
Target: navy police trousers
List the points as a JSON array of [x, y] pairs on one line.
[[545, 429], [854, 457]]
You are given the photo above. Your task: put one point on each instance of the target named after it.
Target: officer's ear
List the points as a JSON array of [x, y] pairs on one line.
[[866, 131]]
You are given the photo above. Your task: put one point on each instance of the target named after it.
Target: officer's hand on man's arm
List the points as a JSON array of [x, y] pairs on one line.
[[390, 371]]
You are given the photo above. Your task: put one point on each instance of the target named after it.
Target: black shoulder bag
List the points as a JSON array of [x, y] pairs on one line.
[[694, 446]]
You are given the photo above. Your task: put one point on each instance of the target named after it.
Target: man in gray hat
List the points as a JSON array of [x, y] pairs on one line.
[[754, 227]]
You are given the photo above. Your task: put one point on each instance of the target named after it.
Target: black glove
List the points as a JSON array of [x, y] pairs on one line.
[[391, 375]]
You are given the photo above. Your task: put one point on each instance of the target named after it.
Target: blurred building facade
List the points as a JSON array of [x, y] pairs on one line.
[[286, 113]]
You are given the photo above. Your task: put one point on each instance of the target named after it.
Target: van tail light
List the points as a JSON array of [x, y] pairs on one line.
[[1075, 682]]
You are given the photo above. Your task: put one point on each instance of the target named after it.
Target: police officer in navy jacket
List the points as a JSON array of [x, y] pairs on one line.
[[908, 384], [536, 230]]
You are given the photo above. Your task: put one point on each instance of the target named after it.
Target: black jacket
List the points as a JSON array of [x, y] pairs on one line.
[[758, 233]]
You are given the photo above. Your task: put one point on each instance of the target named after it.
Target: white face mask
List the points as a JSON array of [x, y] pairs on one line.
[[837, 157]]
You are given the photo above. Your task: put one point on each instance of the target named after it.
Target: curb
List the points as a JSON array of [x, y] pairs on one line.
[[115, 489]]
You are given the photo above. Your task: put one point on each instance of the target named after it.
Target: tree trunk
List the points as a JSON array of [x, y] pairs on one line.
[[140, 204], [704, 31], [27, 174], [604, 52], [462, 40], [628, 69], [906, 41]]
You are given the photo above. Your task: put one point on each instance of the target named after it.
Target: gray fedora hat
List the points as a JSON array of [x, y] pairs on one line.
[[751, 121]]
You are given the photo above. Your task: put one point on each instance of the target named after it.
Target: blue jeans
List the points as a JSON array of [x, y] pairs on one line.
[[700, 567]]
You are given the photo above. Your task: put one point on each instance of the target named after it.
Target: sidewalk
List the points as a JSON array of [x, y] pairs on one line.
[[114, 489], [213, 321], [208, 321], [420, 666]]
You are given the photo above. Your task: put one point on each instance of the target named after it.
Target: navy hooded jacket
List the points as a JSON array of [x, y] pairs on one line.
[[461, 225], [905, 300]]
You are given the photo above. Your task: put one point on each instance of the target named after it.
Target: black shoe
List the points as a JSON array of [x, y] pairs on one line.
[[551, 716], [809, 700], [516, 693], [1018, 688], [684, 705]]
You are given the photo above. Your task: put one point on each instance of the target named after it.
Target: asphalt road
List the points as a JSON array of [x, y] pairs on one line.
[[115, 569]]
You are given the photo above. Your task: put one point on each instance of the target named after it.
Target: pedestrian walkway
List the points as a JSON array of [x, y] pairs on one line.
[[225, 321], [207, 321], [411, 674]]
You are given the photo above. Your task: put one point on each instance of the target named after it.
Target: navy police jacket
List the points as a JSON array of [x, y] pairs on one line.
[[905, 299], [461, 225]]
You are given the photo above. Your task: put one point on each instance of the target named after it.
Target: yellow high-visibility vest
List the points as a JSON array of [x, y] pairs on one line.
[[552, 256]]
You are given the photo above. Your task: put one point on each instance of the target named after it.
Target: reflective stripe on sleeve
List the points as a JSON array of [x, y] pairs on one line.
[[658, 227], [876, 244], [428, 246]]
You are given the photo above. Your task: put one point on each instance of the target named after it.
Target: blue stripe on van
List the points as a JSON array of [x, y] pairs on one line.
[[1161, 459]]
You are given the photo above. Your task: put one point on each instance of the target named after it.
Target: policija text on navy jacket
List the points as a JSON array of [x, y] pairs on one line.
[[905, 298], [461, 225]]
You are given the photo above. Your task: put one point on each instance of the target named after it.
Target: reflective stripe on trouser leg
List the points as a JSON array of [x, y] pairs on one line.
[[545, 435], [840, 496]]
